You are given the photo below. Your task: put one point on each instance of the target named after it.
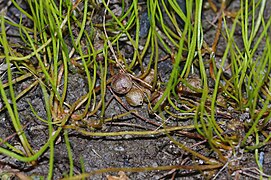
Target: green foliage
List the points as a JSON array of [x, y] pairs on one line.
[[247, 90]]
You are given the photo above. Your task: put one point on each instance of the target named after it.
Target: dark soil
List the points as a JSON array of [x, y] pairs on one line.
[[127, 150]]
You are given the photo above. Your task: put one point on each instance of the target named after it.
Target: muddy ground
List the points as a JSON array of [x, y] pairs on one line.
[[127, 150]]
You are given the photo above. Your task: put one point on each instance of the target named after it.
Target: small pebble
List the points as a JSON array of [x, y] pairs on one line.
[[119, 148], [261, 158]]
